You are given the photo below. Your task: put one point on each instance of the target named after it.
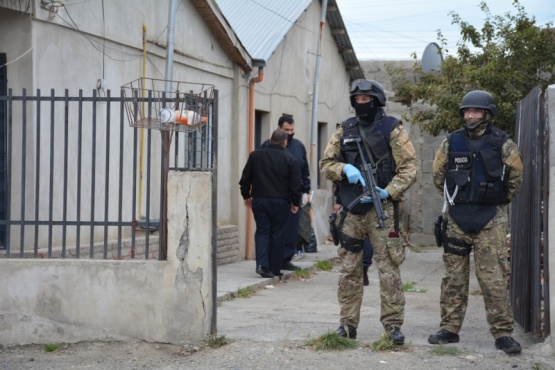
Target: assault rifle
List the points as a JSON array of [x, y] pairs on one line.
[[369, 174]]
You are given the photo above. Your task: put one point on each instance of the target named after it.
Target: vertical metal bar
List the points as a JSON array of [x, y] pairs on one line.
[[134, 196], [23, 168], [107, 176], [79, 173], [120, 176], [214, 254], [93, 172], [545, 245], [9, 147], [37, 176], [51, 169], [65, 171], [148, 181]]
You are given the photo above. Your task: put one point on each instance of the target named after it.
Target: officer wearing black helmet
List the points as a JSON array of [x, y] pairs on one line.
[[478, 169], [388, 148]]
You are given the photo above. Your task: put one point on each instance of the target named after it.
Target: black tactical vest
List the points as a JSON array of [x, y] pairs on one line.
[[376, 136], [475, 180]]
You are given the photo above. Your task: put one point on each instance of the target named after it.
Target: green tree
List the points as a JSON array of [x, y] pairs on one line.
[[508, 57]]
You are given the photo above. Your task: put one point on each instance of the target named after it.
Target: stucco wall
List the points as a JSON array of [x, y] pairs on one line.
[[53, 301], [108, 45]]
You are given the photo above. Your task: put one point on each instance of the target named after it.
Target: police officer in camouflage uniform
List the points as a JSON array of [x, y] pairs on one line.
[[387, 143], [478, 169]]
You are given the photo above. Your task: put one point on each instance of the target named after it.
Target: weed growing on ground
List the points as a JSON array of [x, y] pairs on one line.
[[384, 344], [216, 341], [301, 274], [245, 292], [331, 341], [477, 291], [410, 287], [323, 265], [51, 347], [442, 350]]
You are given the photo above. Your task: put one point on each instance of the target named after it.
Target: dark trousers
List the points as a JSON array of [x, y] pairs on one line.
[[292, 232], [270, 215], [367, 253]]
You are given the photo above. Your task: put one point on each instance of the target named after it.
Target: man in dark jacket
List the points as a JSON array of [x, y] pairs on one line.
[[271, 187], [297, 149]]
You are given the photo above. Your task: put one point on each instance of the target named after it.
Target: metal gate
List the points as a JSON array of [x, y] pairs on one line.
[[529, 216], [81, 183]]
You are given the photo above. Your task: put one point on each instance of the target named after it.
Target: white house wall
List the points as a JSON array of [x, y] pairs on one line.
[[108, 46], [288, 86]]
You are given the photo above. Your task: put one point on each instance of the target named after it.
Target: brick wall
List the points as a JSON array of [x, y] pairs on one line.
[[228, 244]]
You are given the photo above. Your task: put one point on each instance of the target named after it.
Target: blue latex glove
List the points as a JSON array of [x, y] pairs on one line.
[[353, 174], [367, 199], [382, 193]]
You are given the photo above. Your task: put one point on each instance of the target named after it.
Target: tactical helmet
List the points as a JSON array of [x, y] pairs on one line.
[[478, 99], [368, 87]]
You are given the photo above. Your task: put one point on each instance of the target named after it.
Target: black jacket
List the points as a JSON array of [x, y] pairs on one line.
[[297, 149], [271, 172]]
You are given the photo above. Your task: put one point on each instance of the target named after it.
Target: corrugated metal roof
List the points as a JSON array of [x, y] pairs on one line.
[[262, 24]]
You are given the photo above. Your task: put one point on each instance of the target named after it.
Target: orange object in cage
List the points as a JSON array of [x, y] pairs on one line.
[[189, 117]]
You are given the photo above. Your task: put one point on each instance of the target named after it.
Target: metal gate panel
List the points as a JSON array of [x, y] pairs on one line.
[[528, 245]]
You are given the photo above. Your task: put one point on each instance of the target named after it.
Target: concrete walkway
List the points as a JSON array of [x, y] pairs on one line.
[[234, 276]]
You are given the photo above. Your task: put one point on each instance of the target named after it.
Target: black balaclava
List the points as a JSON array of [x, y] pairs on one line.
[[366, 111]]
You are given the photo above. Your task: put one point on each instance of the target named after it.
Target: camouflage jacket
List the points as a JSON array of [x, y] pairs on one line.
[[403, 154]]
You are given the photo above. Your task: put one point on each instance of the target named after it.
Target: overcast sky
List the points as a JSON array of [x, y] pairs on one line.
[[394, 29]]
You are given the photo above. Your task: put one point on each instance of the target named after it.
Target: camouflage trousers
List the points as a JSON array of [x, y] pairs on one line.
[[389, 252], [491, 259]]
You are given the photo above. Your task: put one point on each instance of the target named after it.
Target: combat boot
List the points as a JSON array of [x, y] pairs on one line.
[[365, 275], [508, 345], [396, 336], [347, 331], [442, 337]]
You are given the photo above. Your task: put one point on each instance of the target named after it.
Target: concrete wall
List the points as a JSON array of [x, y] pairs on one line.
[[54, 301]]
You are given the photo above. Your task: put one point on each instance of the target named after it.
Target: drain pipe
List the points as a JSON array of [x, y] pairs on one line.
[[260, 64]]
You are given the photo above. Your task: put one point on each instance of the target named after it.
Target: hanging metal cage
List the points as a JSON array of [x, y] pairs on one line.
[[167, 105]]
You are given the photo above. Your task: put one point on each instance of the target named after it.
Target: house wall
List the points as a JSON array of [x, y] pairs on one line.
[[288, 86], [83, 43]]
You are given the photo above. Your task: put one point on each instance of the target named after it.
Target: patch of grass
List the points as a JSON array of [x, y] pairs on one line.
[[384, 344], [411, 287], [301, 274], [417, 248], [442, 350], [537, 366], [331, 341], [216, 341], [51, 347], [477, 291], [323, 265], [245, 292]]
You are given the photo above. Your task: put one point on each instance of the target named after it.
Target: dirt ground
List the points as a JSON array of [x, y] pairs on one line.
[[270, 330]]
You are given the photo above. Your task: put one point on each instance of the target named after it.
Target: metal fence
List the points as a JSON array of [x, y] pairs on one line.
[[78, 182], [529, 232]]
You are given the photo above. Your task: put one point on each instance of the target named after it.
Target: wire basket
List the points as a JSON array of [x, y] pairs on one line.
[[167, 105]]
